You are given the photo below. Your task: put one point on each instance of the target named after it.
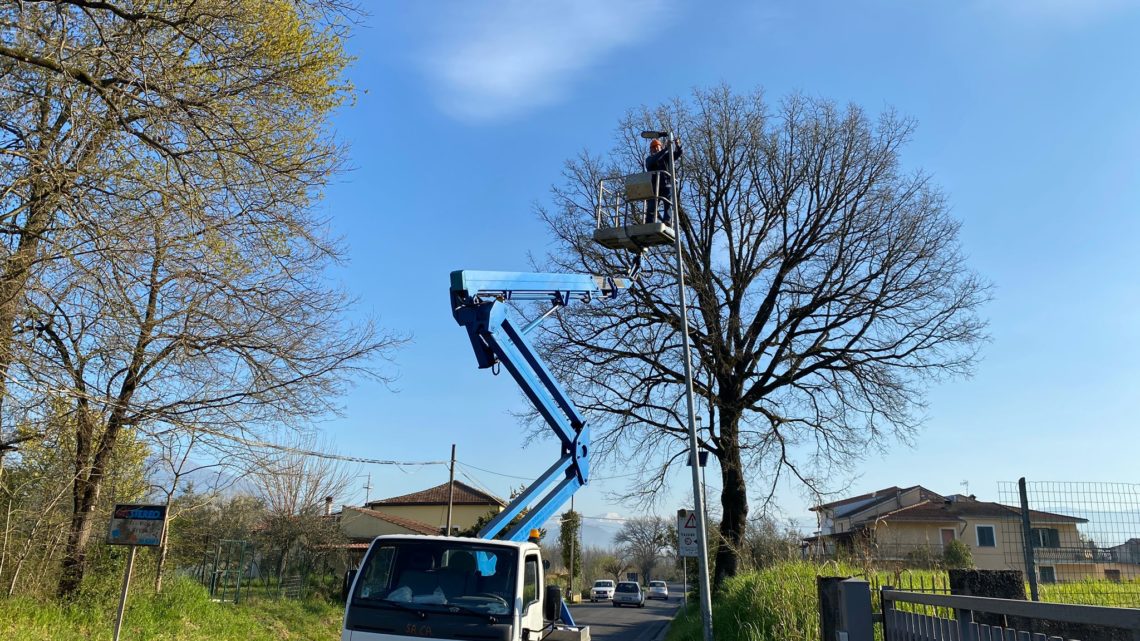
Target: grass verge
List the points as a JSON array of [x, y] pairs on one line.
[[183, 611]]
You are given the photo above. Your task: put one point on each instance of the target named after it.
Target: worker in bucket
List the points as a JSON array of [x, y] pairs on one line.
[[658, 162]]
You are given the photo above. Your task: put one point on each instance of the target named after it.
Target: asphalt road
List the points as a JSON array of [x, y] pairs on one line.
[[627, 623]]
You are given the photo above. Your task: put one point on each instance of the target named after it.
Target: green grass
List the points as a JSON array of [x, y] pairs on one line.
[[780, 603], [183, 611], [1125, 594], [776, 603]]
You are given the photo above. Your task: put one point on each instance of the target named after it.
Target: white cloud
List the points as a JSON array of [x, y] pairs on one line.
[[500, 59]]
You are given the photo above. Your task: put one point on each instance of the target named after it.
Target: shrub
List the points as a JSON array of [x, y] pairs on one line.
[[957, 556]]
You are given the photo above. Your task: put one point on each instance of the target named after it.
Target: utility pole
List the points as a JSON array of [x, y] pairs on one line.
[[694, 444], [451, 490]]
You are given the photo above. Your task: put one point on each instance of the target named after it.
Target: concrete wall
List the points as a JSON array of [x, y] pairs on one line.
[[358, 525], [895, 540], [1066, 572], [1007, 553]]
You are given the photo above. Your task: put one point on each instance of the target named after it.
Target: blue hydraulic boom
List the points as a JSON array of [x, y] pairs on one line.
[[478, 302]]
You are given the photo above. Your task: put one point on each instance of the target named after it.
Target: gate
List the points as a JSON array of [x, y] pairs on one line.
[[846, 614], [913, 616]]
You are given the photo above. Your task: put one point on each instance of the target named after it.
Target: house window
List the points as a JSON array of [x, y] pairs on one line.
[[986, 538], [947, 535], [1045, 537], [1048, 574]]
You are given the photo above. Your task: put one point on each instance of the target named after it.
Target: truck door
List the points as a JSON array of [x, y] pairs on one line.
[[532, 595]]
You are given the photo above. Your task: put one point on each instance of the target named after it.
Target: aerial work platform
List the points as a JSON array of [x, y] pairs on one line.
[[629, 210]]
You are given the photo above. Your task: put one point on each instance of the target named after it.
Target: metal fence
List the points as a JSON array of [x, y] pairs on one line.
[[987, 619], [1077, 542], [234, 571]]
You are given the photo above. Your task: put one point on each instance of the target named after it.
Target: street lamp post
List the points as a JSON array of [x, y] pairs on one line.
[[704, 474], [702, 532]]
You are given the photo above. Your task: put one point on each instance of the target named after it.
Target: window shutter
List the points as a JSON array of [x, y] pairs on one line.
[[1054, 538]]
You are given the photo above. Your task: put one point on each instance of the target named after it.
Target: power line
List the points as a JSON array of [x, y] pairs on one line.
[[528, 478], [314, 453]]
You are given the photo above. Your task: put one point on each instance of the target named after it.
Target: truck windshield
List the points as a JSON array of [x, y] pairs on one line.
[[431, 575]]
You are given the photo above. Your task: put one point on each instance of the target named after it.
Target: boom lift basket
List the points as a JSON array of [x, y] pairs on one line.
[[624, 220]]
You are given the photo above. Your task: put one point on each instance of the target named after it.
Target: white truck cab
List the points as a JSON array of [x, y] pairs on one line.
[[445, 587]]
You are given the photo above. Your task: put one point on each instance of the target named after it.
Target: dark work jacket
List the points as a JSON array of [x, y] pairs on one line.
[[660, 160]]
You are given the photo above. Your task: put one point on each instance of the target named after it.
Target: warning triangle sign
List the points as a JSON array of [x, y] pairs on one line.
[[691, 521]]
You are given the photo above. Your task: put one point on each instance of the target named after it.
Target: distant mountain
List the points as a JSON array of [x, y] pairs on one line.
[[595, 533]]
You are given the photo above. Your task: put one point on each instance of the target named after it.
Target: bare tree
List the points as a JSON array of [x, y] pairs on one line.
[[169, 332], [172, 467], [828, 292], [215, 105], [295, 489], [643, 539], [158, 167], [614, 566]]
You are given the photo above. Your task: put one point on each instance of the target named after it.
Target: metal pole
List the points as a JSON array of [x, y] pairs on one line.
[[702, 536], [126, 588], [451, 490], [704, 474], [1026, 537], [573, 538], [685, 579]]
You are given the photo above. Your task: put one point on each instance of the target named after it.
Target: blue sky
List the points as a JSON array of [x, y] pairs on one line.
[[1029, 118]]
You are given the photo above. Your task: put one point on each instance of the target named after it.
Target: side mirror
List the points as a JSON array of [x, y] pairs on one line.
[[546, 564], [349, 577], [552, 604]]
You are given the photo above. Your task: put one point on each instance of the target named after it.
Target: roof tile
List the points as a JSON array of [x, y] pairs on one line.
[[464, 495], [408, 524]]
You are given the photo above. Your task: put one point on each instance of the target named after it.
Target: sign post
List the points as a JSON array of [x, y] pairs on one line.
[[134, 525], [687, 542]]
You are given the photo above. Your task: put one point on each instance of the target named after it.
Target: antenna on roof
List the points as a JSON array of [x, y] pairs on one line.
[[966, 484]]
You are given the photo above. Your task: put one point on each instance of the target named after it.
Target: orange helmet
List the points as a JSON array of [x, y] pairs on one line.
[[655, 145]]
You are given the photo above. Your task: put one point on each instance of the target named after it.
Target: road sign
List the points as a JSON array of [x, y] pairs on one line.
[[687, 544], [137, 525]]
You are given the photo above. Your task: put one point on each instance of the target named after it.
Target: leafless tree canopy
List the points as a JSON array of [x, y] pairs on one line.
[[643, 540], [827, 291]]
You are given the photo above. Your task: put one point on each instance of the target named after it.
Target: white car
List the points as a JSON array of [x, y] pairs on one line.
[[603, 590], [629, 593], [658, 590]]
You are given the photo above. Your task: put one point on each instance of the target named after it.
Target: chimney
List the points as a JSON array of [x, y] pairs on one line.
[[328, 506]]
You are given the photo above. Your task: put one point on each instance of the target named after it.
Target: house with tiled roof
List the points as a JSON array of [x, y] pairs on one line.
[[422, 512], [913, 526], [430, 506]]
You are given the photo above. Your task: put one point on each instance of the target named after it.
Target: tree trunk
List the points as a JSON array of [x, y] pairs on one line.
[[733, 500], [78, 537], [86, 498], [163, 547]]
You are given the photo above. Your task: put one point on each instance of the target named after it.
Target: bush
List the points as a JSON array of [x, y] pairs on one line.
[[957, 556]]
